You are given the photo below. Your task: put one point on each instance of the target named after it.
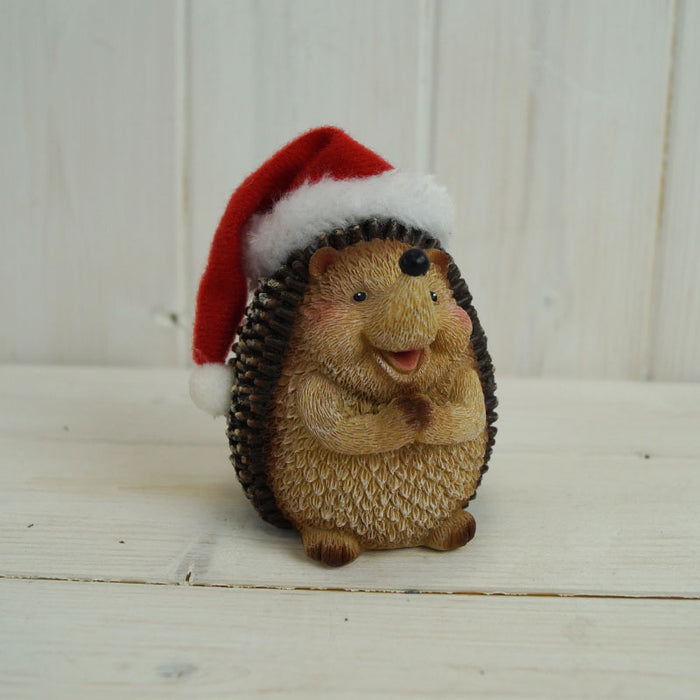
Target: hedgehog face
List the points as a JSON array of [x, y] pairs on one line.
[[379, 318]]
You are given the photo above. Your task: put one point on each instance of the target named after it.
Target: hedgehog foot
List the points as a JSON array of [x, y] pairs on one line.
[[330, 546], [455, 532]]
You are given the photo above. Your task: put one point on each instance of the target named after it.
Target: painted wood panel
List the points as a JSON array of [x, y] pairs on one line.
[[676, 330], [111, 479], [175, 514], [263, 72], [127, 125], [549, 131], [152, 406], [88, 263], [68, 640]]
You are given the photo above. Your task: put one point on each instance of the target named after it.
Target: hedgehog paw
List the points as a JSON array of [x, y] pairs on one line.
[[330, 546], [455, 532]]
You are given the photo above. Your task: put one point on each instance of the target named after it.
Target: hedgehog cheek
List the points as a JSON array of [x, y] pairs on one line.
[[455, 332], [334, 332], [462, 317], [327, 314]]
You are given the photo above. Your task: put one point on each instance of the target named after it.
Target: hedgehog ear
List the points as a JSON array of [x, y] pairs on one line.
[[440, 258], [321, 261]]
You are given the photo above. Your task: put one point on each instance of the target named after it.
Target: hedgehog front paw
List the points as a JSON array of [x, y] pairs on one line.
[[330, 546], [455, 532]]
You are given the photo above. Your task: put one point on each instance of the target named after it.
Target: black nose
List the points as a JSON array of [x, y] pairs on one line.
[[414, 262]]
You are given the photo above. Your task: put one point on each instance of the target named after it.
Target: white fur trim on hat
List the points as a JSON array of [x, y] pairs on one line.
[[299, 218], [210, 388]]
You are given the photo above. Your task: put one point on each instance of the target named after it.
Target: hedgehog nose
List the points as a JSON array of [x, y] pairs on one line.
[[414, 262]]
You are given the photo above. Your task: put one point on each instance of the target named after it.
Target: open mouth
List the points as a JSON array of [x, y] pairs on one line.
[[405, 360]]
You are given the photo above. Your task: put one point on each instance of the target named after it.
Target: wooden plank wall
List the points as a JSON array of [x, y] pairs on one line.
[[87, 188], [566, 131]]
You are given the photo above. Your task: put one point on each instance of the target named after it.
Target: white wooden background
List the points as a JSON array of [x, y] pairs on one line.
[[566, 131]]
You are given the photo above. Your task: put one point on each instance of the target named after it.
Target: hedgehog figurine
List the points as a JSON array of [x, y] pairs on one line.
[[360, 392]]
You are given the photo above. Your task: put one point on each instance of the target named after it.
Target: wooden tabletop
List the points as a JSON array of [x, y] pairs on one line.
[[131, 563]]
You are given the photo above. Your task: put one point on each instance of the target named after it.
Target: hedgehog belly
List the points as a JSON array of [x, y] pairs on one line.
[[387, 500]]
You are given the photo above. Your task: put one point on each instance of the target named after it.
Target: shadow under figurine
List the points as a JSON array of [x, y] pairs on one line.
[[360, 397]]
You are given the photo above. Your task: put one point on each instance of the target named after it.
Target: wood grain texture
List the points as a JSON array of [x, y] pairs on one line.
[[264, 72], [128, 125], [171, 642], [129, 493], [545, 524], [549, 132], [88, 262], [105, 477], [676, 312], [138, 406]]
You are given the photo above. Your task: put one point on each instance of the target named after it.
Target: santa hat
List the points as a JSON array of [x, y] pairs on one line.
[[320, 182]]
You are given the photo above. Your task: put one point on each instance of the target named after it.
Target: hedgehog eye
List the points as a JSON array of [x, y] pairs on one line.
[[359, 296], [433, 296]]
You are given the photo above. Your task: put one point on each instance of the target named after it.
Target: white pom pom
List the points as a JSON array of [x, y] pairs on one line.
[[210, 388]]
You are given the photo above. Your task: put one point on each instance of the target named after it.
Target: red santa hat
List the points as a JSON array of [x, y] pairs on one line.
[[319, 182]]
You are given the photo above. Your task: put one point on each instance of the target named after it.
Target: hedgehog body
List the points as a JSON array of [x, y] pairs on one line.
[[363, 408]]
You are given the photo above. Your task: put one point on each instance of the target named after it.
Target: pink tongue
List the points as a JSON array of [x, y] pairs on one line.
[[407, 359]]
